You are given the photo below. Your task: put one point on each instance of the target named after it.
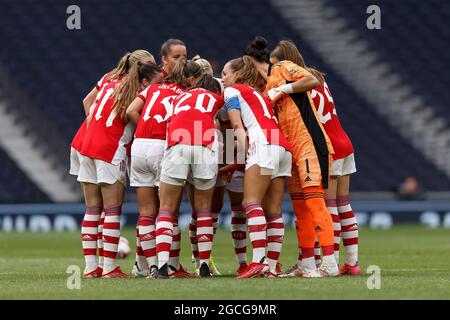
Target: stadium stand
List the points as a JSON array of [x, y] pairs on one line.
[[414, 49], [55, 68], [15, 186]]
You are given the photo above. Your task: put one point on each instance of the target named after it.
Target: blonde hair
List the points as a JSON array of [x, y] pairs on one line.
[[126, 91], [287, 50], [204, 64], [245, 69], [127, 60], [182, 71]]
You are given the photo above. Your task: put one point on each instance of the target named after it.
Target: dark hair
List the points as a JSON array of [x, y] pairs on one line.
[[148, 71], [258, 49], [166, 46], [183, 70], [209, 83]]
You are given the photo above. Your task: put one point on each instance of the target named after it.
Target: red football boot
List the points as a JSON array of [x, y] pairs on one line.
[[117, 273], [92, 274], [241, 268], [348, 270], [254, 270], [181, 273]]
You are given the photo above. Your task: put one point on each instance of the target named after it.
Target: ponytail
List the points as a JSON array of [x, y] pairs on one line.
[[182, 71], [204, 64], [122, 67], [126, 91], [129, 58]]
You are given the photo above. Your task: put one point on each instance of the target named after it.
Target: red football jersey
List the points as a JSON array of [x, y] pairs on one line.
[[192, 121], [77, 141], [156, 111], [107, 135], [257, 115], [323, 101]]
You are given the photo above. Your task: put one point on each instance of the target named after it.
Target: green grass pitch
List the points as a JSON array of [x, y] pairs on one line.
[[414, 263]]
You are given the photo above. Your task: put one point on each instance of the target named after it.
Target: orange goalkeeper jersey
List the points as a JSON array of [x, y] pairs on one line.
[[299, 121]]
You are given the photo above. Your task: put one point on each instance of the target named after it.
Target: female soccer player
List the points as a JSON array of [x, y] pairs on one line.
[[343, 164], [217, 198], [118, 72], [151, 111], [171, 51], [190, 148], [104, 153], [268, 163], [93, 200], [232, 181], [337, 194], [288, 85]]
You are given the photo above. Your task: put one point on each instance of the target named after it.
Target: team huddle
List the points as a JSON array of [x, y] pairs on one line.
[[269, 122]]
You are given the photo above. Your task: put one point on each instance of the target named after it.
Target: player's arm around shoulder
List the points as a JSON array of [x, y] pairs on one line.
[[298, 79]]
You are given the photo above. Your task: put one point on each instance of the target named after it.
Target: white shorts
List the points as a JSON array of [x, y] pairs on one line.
[[98, 171], [274, 159], [75, 159], [181, 159], [236, 184], [146, 156], [343, 167]]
